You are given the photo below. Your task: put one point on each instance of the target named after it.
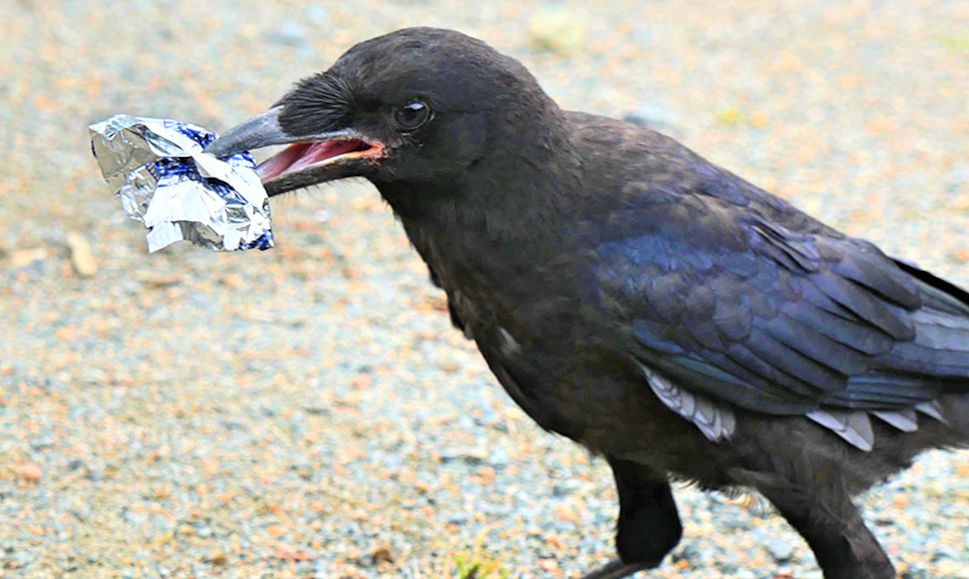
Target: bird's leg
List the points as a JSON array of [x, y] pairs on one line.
[[649, 526], [833, 527]]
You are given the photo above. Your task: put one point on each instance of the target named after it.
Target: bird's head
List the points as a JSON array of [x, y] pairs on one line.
[[417, 105]]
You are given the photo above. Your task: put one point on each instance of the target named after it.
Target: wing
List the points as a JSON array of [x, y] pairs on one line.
[[756, 304]]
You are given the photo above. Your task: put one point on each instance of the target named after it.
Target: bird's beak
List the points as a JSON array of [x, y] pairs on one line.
[[309, 159], [260, 131]]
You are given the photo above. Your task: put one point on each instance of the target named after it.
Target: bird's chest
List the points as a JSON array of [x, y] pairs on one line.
[[469, 278], [526, 324]]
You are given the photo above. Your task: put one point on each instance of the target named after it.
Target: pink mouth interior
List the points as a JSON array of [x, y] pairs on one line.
[[302, 155]]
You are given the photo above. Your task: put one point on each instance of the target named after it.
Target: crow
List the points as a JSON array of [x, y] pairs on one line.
[[630, 295]]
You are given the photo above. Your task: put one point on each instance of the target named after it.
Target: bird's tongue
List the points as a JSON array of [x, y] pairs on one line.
[[302, 155]]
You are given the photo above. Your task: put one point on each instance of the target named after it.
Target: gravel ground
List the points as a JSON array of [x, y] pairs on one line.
[[308, 412]]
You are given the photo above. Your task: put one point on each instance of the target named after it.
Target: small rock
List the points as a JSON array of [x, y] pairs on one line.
[[305, 472], [934, 489], [219, 559], [499, 458], [382, 555], [95, 472], [734, 523], [962, 469], [689, 552], [158, 281], [82, 258], [30, 472], [24, 257], [82, 513], [557, 30], [163, 539], [469, 455], [780, 550], [566, 487], [290, 553]]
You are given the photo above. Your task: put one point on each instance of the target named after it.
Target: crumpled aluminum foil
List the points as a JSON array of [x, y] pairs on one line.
[[180, 193]]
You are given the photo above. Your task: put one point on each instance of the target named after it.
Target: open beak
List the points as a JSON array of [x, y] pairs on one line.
[[308, 160]]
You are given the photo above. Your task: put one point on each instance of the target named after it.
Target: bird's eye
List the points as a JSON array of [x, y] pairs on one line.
[[411, 116]]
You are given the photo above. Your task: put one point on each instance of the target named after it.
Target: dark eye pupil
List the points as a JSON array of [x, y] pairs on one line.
[[411, 116]]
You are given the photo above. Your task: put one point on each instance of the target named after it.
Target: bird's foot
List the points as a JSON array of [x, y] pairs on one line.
[[615, 569]]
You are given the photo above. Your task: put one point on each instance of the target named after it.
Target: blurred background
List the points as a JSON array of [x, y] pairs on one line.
[[307, 411]]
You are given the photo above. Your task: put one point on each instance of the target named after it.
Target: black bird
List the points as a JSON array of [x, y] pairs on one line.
[[638, 299]]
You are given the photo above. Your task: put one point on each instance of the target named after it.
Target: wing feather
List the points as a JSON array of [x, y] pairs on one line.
[[730, 294], [786, 322]]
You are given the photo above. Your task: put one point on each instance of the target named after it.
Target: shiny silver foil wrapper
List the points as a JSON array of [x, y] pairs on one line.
[[165, 181]]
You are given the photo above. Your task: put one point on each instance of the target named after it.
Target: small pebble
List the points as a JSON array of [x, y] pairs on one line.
[[558, 30], [82, 258], [30, 472], [780, 550]]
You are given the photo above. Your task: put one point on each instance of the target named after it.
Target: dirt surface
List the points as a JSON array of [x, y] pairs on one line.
[[307, 411]]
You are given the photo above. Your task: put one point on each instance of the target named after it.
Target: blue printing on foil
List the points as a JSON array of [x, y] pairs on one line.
[[169, 171]]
